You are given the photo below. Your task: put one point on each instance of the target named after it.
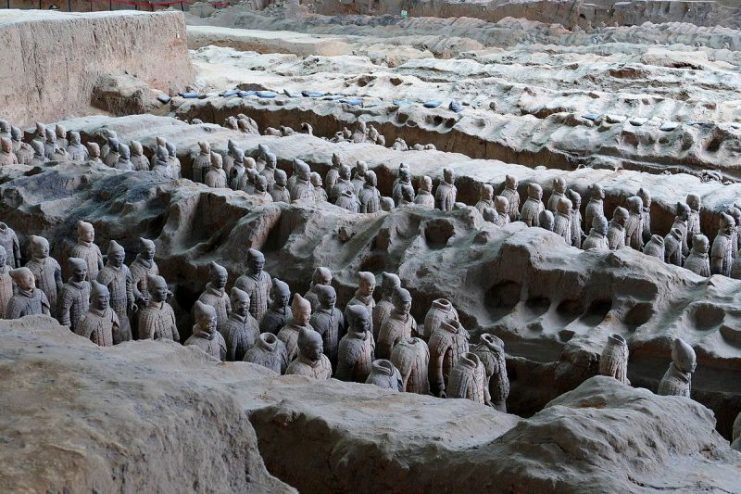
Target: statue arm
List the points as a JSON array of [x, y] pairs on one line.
[[16, 251], [64, 306], [436, 378], [129, 290], [175, 332]]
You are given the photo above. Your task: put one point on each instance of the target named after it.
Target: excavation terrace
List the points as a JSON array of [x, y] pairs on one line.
[[308, 246]]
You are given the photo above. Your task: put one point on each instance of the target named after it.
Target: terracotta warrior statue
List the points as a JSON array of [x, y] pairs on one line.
[[107, 134], [321, 276], [532, 207], [673, 247], [364, 294], [693, 222], [173, 160], [616, 230], [655, 247], [723, 250], [404, 177], [7, 156], [23, 151], [6, 283], [75, 149], [215, 176], [400, 325], [268, 352], [116, 277], [215, 294], [490, 351], [446, 344], [74, 299], [576, 231], [110, 155], [205, 336], [201, 161], [320, 195], [161, 164], [100, 324], [369, 196], [328, 321], [236, 175], [645, 196], [546, 220], [61, 133], [348, 201], [279, 312], [140, 162], [384, 375], [28, 300], [124, 159], [334, 171], [356, 349], [677, 380], [424, 195], [486, 198], [271, 167], [698, 261], [257, 283], [9, 240], [382, 310], [342, 184], [446, 191], [440, 311], [512, 196], [233, 151], [562, 220], [311, 361], [614, 359], [94, 152], [142, 267], [595, 206], [412, 359], [261, 189], [279, 192], [38, 158], [46, 271], [634, 225], [358, 180], [240, 331], [558, 193], [157, 319], [467, 379], [86, 249], [681, 221], [302, 190], [597, 238], [288, 334]]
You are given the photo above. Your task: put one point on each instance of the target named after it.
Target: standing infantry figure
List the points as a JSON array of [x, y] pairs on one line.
[[533, 206], [634, 225], [279, 313], [412, 358], [364, 294], [645, 196], [614, 359], [597, 238], [86, 250], [9, 240], [288, 334], [512, 196], [142, 267], [215, 175], [562, 220], [359, 172], [490, 351], [334, 171], [698, 261], [447, 344], [77, 152], [356, 349], [6, 284], [311, 361], [673, 247], [693, 221], [616, 230], [404, 177], [279, 192], [205, 336], [321, 276], [240, 331], [721, 254], [400, 325], [681, 220], [576, 231], [677, 380], [202, 161], [74, 300], [558, 193], [117, 279], [446, 191], [46, 271], [302, 190], [341, 185], [100, 324], [467, 379], [424, 195], [369, 196], [329, 322], [28, 300], [382, 310], [269, 352], [486, 198], [256, 283], [595, 206], [215, 294], [140, 162], [157, 319]]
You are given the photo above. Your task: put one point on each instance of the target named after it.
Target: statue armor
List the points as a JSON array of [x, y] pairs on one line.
[[268, 352], [289, 333], [355, 356], [440, 311], [446, 344], [595, 206], [157, 321], [562, 220], [48, 274], [330, 324], [614, 359], [74, 302], [219, 300], [655, 247], [634, 224], [321, 369], [257, 285], [558, 193], [27, 300], [412, 358], [9, 241], [677, 380], [369, 196], [87, 251], [396, 328], [490, 351], [533, 206], [140, 269], [467, 379], [384, 375], [121, 288], [673, 247], [383, 308], [240, 334]]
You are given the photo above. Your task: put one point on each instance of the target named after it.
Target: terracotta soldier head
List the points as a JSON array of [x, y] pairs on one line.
[[205, 316], [683, 211], [693, 201], [74, 138], [486, 193], [370, 179], [39, 247], [501, 204], [6, 145], [645, 196], [301, 309], [205, 148], [635, 204], [510, 182], [327, 296], [216, 161], [620, 216], [99, 296], [77, 268], [61, 131], [240, 302], [147, 249], [217, 275], [359, 318], [564, 206], [38, 149], [281, 179], [336, 161], [116, 254], [310, 344], [271, 161], [600, 225], [448, 176], [93, 150], [304, 171], [171, 149], [85, 232], [402, 301], [559, 185], [261, 183], [157, 287], [23, 277], [344, 172], [407, 193], [389, 282], [535, 191], [255, 261], [281, 293], [598, 192], [575, 199], [367, 283], [683, 356], [425, 184]]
